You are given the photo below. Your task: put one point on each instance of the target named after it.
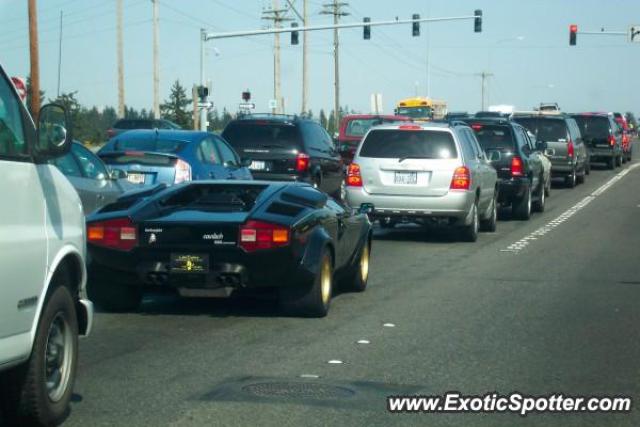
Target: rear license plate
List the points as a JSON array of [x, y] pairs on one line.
[[189, 263], [405, 178], [135, 178], [257, 165]]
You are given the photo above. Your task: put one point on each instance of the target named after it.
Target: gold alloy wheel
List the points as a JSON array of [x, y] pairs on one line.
[[325, 280], [364, 263]]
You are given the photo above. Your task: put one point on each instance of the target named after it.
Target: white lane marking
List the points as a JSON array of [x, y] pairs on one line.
[[364, 342], [309, 376], [389, 325], [335, 362], [521, 244]]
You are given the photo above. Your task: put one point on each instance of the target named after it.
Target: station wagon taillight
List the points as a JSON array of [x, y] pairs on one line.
[[461, 179], [302, 162], [257, 235], [354, 178], [517, 168], [570, 149], [612, 140], [183, 171], [119, 233]]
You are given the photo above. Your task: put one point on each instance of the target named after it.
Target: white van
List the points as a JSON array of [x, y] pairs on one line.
[[43, 304]]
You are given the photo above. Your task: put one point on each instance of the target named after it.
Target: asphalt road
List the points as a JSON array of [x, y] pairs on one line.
[[555, 313]]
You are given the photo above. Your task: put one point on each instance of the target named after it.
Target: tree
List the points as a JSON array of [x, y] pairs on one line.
[[28, 101], [323, 119], [176, 108], [331, 124]]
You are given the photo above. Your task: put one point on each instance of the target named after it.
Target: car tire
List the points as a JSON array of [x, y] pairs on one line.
[[469, 233], [587, 167], [612, 163], [29, 394], [521, 209], [114, 297], [387, 224], [539, 204], [358, 275], [571, 179], [491, 223], [311, 300], [630, 155], [581, 178], [547, 188], [619, 161], [316, 181]]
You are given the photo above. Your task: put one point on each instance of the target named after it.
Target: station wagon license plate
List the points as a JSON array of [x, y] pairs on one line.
[[189, 263], [135, 178], [405, 178], [257, 165]]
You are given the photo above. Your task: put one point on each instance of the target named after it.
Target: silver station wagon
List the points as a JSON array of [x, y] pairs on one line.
[[424, 173]]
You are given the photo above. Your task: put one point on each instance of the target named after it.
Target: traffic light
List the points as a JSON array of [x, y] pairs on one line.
[[477, 22], [366, 29], [573, 34], [246, 96], [416, 25], [295, 35], [203, 92]]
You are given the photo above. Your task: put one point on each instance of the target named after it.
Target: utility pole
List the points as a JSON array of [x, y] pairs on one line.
[[305, 70], [34, 60], [428, 34], [276, 15], [484, 76], [335, 9], [59, 56], [121, 111], [156, 66]]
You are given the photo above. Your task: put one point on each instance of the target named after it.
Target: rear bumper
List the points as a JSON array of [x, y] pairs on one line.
[[562, 168], [455, 204], [512, 189], [602, 153]]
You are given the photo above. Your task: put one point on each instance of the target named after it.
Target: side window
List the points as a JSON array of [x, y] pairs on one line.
[[474, 142], [326, 138], [67, 165], [228, 155], [466, 146], [91, 166], [207, 152], [313, 138], [522, 140], [12, 140], [529, 143]]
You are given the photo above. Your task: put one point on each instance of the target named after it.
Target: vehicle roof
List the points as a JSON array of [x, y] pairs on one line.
[[423, 125], [374, 116], [595, 114], [279, 118], [166, 134]]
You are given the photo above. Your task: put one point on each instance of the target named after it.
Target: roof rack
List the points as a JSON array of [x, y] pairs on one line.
[[254, 116]]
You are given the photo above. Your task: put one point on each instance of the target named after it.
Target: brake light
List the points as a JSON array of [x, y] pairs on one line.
[[354, 178], [612, 140], [118, 233], [409, 127], [476, 126], [516, 166], [570, 148], [183, 171], [257, 235], [302, 162], [461, 179]]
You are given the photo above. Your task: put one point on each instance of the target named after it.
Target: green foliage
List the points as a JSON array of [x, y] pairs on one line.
[[28, 101], [177, 107]]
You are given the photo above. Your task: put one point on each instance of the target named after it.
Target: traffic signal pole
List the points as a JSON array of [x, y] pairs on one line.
[[205, 36]]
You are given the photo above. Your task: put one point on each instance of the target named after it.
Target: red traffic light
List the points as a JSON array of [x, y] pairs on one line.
[[573, 32], [573, 28]]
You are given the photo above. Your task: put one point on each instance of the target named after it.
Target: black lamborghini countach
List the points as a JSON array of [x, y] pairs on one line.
[[211, 238]]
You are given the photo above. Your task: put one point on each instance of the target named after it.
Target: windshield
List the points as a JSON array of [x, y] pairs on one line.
[[398, 144], [492, 137], [242, 135], [415, 112], [545, 129], [593, 127], [358, 127], [155, 145]]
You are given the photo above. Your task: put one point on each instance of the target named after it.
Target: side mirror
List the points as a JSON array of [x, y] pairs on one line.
[[541, 146], [117, 174], [246, 162], [366, 208], [54, 139]]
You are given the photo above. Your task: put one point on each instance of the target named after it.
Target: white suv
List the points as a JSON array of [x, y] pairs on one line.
[[43, 305]]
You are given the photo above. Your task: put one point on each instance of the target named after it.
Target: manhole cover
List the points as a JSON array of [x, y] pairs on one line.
[[298, 390]]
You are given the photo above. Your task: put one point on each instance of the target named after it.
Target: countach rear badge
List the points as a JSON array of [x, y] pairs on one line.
[[216, 238], [152, 238]]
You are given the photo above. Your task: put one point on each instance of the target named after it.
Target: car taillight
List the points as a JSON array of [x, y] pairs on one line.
[[354, 179], [183, 171], [570, 148], [516, 166], [257, 235], [612, 140], [302, 162], [118, 233], [461, 179]]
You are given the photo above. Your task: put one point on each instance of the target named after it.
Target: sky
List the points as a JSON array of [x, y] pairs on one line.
[[524, 44]]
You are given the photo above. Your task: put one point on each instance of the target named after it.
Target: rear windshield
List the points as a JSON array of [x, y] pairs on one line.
[[215, 198], [545, 129], [155, 145], [493, 137], [358, 127], [398, 144], [415, 112], [243, 135], [139, 159], [593, 126]]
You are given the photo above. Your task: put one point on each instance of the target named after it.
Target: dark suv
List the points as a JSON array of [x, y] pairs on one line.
[[565, 148], [287, 148], [522, 182], [603, 137]]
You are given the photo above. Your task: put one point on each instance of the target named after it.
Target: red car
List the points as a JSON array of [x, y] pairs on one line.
[[354, 127], [626, 136]]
